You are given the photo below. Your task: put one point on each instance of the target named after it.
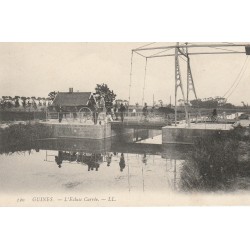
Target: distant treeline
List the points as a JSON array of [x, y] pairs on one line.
[[17, 102], [212, 103]]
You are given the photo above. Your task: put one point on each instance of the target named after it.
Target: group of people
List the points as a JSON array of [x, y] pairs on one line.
[[118, 111], [111, 111], [91, 160]]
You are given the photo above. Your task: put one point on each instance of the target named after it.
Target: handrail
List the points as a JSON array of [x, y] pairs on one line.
[[80, 117]]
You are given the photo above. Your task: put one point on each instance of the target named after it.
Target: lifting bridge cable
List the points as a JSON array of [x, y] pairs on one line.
[[230, 50], [131, 68], [141, 48], [162, 51], [140, 54], [145, 45], [237, 78], [180, 56], [144, 84], [130, 81], [145, 71]]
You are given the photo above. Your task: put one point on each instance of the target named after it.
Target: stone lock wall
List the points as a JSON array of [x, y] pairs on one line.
[[80, 131], [186, 135]]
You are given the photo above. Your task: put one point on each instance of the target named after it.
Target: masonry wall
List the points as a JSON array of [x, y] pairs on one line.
[[80, 131], [90, 131], [186, 135]]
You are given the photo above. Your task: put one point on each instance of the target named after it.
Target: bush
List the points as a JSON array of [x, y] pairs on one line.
[[213, 163], [18, 137]]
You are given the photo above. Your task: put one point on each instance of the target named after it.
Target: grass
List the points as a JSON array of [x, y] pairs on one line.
[[217, 163]]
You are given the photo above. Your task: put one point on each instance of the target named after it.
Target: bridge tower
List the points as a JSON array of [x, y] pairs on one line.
[[182, 50], [178, 83], [190, 81]]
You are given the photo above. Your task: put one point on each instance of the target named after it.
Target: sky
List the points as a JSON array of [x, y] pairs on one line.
[[35, 69]]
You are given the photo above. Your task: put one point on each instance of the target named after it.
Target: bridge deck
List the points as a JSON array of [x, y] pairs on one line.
[[139, 124]]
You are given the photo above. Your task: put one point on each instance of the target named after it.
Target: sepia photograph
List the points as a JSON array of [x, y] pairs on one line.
[[124, 124]]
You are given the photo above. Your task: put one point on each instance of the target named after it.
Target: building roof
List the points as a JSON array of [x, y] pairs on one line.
[[71, 99]]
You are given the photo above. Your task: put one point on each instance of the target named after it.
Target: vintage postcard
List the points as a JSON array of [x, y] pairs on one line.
[[124, 124]]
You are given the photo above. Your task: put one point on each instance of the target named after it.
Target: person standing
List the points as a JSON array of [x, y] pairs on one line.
[[75, 113], [102, 104], [134, 112], [116, 111], [60, 114], [122, 111], [145, 111], [109, 114], [95, 113], [214, 115]]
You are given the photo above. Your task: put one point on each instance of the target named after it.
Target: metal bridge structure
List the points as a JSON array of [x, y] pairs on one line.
[[185, 51]]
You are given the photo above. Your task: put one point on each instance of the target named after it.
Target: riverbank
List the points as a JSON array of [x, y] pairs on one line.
[[17, 137], [21, 115], [218, 163]]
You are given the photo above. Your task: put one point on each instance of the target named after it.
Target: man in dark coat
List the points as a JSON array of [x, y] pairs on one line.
[[122, 111]]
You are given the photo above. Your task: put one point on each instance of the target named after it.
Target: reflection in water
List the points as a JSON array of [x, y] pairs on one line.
[[59, 159], [127, 163], [109, 159], [122, 162], [144, 159], [85, 165], [91, 160]]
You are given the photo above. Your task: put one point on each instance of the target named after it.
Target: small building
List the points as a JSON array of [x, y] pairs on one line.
[[72, 101], [124, 102]]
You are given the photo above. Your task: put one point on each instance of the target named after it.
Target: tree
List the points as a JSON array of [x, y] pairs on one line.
[[108, 95], [207, 103], [228, 106], [52, 95]]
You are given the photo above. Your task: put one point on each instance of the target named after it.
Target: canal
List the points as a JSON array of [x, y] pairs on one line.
[[131, 163], [135, 163]]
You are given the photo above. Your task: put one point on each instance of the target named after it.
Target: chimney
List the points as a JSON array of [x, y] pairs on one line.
[[70, 90]]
